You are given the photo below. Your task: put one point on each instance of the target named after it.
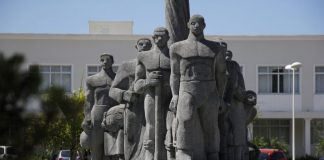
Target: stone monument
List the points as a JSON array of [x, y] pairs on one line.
[[97, 102], [122, 90], [197, 81], [152, 79], [186, 103]]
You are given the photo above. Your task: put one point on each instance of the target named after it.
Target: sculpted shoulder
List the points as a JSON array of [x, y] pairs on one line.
[[143, 55], [177, 47], [96, 80], [127, 67]]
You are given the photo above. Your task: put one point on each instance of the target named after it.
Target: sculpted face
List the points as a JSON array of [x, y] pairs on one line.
[[143, 45], [251, 97], [196, 25], [228, 55], [161, 37], [106, 61]]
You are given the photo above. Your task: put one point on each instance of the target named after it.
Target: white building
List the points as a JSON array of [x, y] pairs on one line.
[[68, 59]]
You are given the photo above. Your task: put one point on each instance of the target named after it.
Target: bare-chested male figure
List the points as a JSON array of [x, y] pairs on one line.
[[122, 90], [198, 76], [153, 70], [97, 102]]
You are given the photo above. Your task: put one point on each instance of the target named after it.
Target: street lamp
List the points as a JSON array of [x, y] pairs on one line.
[[293, 67]]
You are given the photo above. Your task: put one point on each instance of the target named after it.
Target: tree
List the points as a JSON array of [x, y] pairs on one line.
[[66, 129], [57, 124], [17, 86]]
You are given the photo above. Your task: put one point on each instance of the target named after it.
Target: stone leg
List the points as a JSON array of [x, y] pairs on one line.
[[189, 143], [239, 153], [224, 132], [169, 137], [97, 133], [209, 120], [149, 109]]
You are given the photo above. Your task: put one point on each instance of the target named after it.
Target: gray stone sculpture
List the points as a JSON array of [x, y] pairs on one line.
[[152, 79], [113, 124], [122, 90], [249, 105], [97, 102], [198, 77], [236, 117]]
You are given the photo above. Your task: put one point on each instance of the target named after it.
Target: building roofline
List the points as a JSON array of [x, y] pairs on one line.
[[135, 37]]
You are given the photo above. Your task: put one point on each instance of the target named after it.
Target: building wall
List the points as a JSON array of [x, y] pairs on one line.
[[248, 51]]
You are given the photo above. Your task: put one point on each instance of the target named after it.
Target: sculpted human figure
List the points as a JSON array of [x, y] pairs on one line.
[[152, 79], [198, 77], [235, 97], [97, 102], [249, 105], [122, 90], [251, 112]]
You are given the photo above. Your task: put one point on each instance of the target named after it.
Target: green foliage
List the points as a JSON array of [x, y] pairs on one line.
[[319, 149], [64, 132], [260, 142], [17, 86], [36, 135], [275, 143]]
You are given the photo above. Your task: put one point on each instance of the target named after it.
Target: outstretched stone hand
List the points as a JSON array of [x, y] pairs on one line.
[[173, 104]]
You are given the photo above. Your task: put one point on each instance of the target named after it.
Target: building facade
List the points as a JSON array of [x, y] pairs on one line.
[[67, 59]]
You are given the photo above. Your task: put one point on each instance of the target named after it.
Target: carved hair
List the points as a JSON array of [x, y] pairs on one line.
[[107, 54], [143, 39], [161, 31], [198, 17]]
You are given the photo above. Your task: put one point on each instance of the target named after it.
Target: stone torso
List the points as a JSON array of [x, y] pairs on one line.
[[101, 84], [156, 61], [153, 60], [197, 61]]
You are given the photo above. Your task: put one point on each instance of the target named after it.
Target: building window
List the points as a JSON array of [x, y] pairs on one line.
[[272, 128], [319, 80], [58, 75], [93, 69], [277, 80]]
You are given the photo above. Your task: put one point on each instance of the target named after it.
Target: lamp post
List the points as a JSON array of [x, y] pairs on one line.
[[293, 67]]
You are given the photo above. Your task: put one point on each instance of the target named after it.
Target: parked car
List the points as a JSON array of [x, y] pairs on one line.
[[272, 154], [7, 152], [64, 155]]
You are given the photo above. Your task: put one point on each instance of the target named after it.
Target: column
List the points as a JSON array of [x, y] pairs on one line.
[[307, 130]]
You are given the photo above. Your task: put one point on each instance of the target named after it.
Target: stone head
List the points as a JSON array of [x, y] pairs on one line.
[[143, 44], [196, 24], [161, 36], [228, 55], [250, 97], [106, 61]]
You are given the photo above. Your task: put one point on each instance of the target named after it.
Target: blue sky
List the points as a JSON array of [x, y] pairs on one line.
[[223, 17]]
